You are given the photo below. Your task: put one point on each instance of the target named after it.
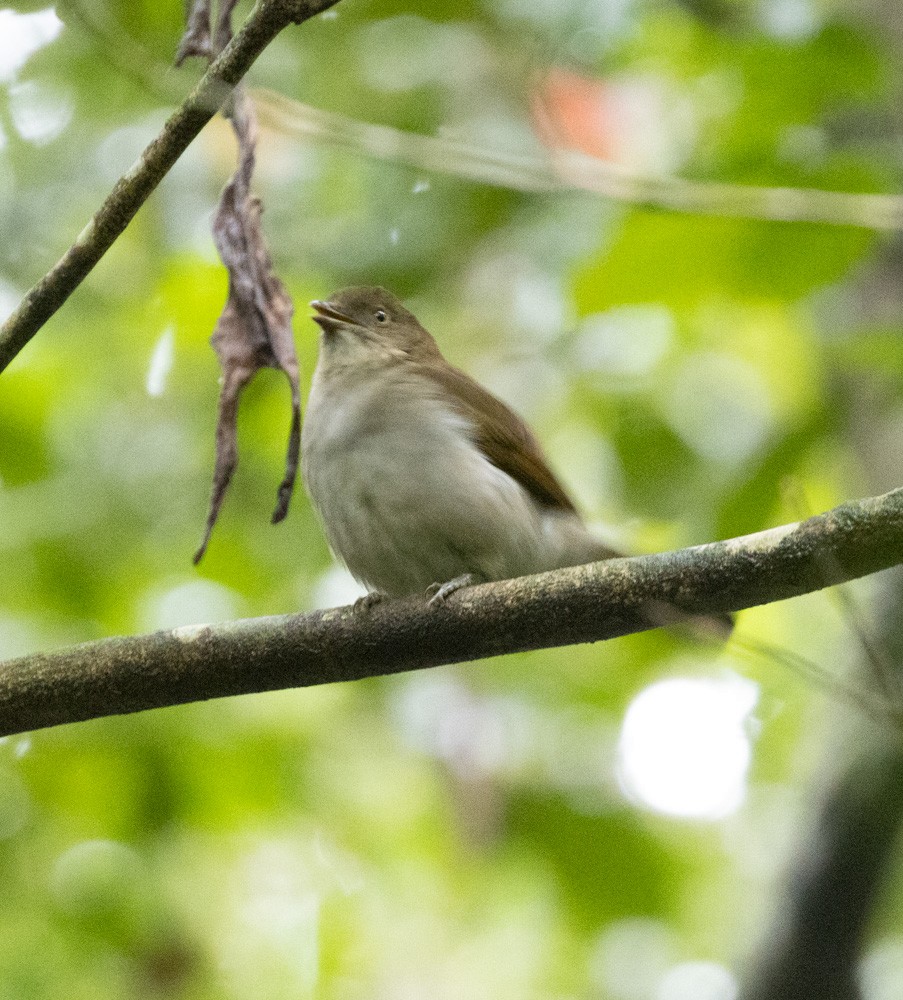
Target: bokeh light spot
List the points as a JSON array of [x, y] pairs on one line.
[[21, 35], [190, 603], [684, 749], [160, 363], [697, 981], [95, 877]]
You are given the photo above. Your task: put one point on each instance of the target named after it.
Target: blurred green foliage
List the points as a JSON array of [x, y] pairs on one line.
[[475, 832]]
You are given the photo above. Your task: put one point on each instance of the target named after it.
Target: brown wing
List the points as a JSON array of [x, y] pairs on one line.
[[502, 436]]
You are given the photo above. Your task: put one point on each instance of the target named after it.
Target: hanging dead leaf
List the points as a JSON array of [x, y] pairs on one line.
[[196, 41], [255, 328]]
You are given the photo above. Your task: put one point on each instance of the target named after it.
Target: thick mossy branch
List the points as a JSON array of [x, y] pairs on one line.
[[266, 20], [580, 604]]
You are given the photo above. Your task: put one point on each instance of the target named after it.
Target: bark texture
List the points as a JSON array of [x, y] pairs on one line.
[[567, 606]]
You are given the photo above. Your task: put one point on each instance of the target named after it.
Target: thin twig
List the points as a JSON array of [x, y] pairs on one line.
[[553, 173], [579, 604], [266, 20], [573, 171], [880, 710], [559, 171], [887, 679]]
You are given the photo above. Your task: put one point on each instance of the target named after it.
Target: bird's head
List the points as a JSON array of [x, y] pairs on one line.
[[362, 324]]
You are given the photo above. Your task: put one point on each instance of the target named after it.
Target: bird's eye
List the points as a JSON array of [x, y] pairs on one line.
[[380, 315]]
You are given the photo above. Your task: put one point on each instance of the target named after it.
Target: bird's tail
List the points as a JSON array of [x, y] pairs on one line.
[[578, 545]]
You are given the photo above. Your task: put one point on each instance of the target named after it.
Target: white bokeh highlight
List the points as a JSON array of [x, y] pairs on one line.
[[336, 587], [684, 748], [720, 405], [631, 957], [698, 981], [40, 113], [881, 971], [9, 296], [160, 363], [625, 342], [21, 35], [190, 603]]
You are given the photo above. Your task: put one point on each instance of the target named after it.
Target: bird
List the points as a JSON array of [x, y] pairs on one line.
[[423, 480]]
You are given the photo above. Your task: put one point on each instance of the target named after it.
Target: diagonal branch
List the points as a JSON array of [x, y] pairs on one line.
[[557, 171], [266, 20], [580, 604]]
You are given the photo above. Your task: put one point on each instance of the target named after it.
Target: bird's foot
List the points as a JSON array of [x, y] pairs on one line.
[[370, 600], [440, 592]]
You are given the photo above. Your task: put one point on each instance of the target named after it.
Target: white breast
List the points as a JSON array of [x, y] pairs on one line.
[[405, 496]]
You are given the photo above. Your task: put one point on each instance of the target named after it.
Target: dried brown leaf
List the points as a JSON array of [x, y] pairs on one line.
[[254, 329], [223, 33], [197, 40]]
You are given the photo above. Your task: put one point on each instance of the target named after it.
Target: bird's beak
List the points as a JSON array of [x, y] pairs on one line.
[[328, 316]]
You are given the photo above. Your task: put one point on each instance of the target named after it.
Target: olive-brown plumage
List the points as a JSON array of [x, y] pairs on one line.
[[419, 474]]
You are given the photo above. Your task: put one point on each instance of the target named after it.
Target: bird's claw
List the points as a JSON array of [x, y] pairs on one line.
[[440, 592], [369, 601]]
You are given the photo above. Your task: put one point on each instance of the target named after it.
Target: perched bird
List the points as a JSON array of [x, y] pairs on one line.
[[424, 480]]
